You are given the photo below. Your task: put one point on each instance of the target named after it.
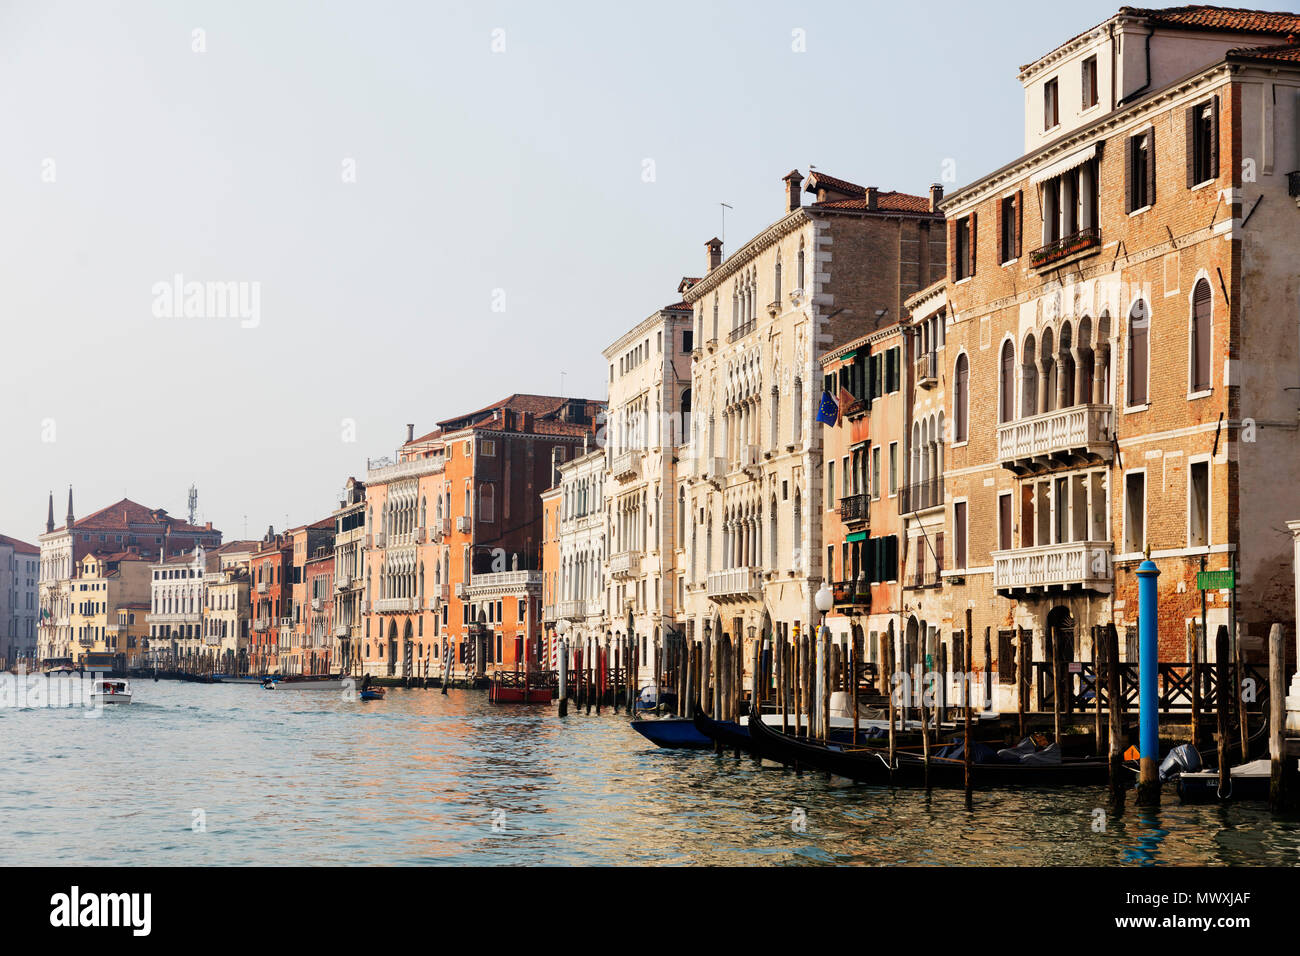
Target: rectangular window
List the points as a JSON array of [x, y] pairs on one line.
[[1140, 175], [964, 244], [1088, 82], [875, 471], [688, 338], [488, 449], [893, 468], [1135, 513], [1203, 142], [1198, 504], [1009, 211], [1004, 522], [1006, 656], [959, 534], [830, 487], [1051, 113]]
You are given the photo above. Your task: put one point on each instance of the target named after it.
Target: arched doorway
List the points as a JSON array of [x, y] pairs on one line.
[[392, 648], [1059, 649]]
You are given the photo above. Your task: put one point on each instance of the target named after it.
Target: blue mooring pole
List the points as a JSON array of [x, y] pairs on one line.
[[1148, 689]]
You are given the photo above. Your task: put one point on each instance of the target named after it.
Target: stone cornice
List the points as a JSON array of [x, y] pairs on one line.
[[790, 223]]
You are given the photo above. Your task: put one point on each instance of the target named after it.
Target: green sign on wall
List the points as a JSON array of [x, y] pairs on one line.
[[1216, 580]]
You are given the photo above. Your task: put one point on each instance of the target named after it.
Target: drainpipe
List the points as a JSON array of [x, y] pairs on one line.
[[1143, 88]]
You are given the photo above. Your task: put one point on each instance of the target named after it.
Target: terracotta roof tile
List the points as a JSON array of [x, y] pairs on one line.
[[1233, 19], [818, 180], [885, 202], [1287, 53]]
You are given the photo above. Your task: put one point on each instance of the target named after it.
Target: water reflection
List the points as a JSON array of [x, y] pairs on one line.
[[304, 777]]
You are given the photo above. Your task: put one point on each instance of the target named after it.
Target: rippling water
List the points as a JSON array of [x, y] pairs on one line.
[[305, 777]]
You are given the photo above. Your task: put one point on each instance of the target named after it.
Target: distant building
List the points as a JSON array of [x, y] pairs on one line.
[[270, 575], [349, 576], [124, 528], [579, 552], [19, 575]]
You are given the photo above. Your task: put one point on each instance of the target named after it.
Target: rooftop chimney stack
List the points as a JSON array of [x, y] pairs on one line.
[[410, 432], [793, 196], [871, 197], [936, 196], [714, 246]]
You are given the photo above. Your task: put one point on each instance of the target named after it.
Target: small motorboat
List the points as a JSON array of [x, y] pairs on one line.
[[672, 732], [110, 691], [1247, 781], [269, 684], [373, 693]]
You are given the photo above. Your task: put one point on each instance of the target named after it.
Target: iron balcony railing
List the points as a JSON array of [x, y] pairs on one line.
[[1080, 241], [855, 509], [919, 496], [740, 331]]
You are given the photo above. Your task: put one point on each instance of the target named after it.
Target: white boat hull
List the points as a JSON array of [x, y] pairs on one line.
[[110, 698]]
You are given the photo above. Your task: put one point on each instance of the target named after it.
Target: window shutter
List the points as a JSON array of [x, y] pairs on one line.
[[894, 356], [891, 558], [1151, 166], [1130, 149], [1000, 227], [1201, 336], [1213, 149], [971, 256], [1017, 221], [1191, 147], [952, 249]]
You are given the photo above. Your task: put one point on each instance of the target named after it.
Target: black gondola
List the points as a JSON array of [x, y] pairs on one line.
[[872, 765]]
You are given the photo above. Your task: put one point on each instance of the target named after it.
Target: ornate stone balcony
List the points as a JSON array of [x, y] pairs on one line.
[[395, 605], [735, 584], [1082, 565], [626, 465], [1065, 436], [625, 564], [464, 524]]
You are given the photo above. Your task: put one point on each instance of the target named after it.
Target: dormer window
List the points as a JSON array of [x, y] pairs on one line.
[[1051, 110]]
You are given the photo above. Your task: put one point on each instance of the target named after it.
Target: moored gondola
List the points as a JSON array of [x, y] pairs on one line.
[[871, 765]]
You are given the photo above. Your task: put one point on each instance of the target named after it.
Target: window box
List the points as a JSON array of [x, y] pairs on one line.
[[1065, 247]]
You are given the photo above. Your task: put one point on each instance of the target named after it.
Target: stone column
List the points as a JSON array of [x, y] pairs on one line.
[[1042, 384], [1293, 695], [1062, 400], [1100, 363]]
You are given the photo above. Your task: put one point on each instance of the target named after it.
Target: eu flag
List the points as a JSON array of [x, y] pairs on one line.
[[828, 413]]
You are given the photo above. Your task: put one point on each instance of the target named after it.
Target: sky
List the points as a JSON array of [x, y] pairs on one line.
[[422, 207]]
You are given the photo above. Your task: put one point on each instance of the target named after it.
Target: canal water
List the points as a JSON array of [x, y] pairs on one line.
[[230, 774]]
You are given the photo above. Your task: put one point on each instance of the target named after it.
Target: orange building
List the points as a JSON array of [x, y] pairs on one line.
[[461, 503]]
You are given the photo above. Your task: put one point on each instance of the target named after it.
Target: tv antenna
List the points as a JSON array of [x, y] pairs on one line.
[[194, 504]]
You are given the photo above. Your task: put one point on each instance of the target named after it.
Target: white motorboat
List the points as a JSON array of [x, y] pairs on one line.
[[110, 690]]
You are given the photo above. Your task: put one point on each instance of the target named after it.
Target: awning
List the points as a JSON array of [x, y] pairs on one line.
[[1064, 165]]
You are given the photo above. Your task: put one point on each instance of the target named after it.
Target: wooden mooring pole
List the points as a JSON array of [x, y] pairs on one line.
[[1221, 705], [967, 695], [1276, 717], [1022, 678], [1114, 709]]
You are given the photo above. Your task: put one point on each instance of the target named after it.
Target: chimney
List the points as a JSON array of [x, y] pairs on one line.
[[871, 197], [527, 425], [936, 196], [714, 246], [410, 433], [793, 197]]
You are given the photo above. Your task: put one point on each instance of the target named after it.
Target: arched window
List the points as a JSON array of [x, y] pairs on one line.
[[777, 278], [801, 264], [960, 404], [1007, 383], [1201, 347], [1029, 378], [686, 405], [796, 562], [1139, 326], [714, 336], [681, 517]]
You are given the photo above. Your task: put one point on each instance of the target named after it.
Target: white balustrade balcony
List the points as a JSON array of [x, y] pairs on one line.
[[625, 564], [464, 524], [735, 584], [1081, 565], [1077, 433], [395, 605], [626, 465]]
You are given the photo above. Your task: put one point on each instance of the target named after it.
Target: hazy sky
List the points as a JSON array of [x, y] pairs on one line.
[[381, 176]]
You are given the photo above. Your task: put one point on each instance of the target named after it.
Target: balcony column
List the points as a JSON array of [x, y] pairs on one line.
[[1042, 385], [1062, 399], [1100, 364]]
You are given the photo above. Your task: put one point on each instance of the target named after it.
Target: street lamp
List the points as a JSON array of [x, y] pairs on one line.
[[823, 599]]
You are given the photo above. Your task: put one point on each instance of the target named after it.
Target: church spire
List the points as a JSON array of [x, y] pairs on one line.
[[70, 520], [49, 521]]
